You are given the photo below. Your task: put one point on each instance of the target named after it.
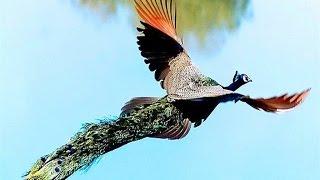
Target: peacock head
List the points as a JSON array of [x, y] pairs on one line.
[[241, 78]]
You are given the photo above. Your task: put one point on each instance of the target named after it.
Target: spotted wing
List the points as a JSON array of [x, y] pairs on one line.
[[161, 46], [279, 103]]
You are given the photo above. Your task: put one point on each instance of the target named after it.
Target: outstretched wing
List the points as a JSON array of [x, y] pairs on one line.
[[160, 44], [162, 48], [277, 104]]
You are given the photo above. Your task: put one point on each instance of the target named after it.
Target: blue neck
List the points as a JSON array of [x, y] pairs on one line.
[[234, 86]]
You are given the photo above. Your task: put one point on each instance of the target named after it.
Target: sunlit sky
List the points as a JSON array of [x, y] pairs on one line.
[[62, 65]]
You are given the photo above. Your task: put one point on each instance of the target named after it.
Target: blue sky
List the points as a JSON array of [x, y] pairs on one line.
[[62, 65]]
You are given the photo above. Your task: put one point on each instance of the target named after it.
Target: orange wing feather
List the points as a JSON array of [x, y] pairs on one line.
[[277, 104], [160, 14]]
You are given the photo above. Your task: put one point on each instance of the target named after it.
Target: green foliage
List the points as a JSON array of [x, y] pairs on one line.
[[196, 17]]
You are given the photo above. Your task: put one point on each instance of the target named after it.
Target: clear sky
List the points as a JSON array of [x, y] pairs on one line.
[[62, 65]]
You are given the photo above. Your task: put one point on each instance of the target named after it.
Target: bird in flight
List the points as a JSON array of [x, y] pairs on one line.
[[191, 97], [193, 94]]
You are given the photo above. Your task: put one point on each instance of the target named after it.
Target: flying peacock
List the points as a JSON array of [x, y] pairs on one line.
[[193, 93], [191, 98]]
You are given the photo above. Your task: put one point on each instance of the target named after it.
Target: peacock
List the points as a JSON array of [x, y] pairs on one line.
[[190, 99], [191, 92]]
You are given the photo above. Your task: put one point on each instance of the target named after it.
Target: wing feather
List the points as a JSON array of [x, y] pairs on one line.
[[178, 131], [159, 14], [276, 104], [159, 42], [136, 102]]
